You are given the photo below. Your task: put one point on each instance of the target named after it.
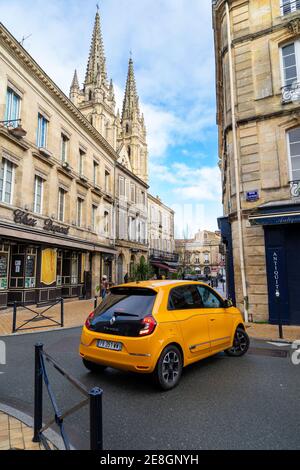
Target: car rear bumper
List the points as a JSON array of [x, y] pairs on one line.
[[135, 355]]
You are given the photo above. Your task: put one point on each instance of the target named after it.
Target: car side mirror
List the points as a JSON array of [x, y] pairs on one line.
[[228, 303]]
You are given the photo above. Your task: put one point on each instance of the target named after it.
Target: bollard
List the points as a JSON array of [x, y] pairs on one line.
[[38, 393], [96, 303], [62, 312], [96, 422], [14, 327]]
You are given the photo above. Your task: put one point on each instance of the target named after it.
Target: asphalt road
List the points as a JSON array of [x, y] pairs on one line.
[[220, 403]]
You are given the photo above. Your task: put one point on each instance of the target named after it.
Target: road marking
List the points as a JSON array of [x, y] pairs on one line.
[[279, 345]]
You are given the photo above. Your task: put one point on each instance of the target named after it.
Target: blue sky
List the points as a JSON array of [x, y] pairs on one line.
[[172, 45]]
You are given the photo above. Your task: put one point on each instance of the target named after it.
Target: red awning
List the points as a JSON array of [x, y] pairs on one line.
[[164, 267]]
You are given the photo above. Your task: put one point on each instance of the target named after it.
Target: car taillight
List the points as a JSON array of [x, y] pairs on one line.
[[149, 325], [89, 320]]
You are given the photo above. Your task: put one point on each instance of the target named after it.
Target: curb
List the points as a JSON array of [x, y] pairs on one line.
[[50, 435]]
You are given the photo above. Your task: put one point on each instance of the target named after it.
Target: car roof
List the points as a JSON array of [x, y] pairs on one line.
[[158, 285]]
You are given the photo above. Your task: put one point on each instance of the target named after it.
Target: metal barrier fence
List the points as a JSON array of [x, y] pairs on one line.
[[93, 397], [38, 315]]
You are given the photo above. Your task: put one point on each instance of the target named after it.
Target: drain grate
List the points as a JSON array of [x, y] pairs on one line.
[[268, 352]]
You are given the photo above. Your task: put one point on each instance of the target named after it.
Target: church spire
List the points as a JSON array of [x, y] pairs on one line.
[[131, 100], [75, 82], [97, 62]]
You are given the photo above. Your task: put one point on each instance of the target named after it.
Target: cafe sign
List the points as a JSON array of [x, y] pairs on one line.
[[23, 218]]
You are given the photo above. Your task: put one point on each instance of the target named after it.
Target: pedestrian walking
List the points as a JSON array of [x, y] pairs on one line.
[[104, 287], [126, 278]]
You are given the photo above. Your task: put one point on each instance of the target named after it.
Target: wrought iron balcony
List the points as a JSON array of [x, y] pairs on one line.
[[290, 7], [291, 92], [164, 256], [295, 188]]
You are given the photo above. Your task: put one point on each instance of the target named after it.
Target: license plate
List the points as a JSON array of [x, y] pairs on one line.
[[112, 345]]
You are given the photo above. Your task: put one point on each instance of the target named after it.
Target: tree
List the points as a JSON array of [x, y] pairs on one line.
[[142, 271]]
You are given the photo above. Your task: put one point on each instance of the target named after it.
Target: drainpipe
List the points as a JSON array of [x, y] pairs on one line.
[[236, 169]]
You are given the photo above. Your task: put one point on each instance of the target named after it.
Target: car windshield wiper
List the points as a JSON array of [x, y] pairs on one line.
[[123, 314]]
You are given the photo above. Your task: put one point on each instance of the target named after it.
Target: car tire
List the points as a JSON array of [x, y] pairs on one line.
[[241, 344], [92, 366], [169, 368]]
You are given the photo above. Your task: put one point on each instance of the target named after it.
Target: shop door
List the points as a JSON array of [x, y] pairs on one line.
[[293, 274], [276, 257]]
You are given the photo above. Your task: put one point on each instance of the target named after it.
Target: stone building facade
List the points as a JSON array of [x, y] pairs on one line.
[[201, 255], [265, 70], [73, 179], [163, 257]]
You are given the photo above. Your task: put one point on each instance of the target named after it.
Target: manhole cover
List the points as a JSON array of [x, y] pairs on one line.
[[268, 352]]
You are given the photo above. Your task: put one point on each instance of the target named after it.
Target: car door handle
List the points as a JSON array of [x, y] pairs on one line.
[[212, 319]]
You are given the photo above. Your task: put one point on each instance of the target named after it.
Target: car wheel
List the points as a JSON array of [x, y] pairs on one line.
[[169, 368], [241, 344], [92, 366]]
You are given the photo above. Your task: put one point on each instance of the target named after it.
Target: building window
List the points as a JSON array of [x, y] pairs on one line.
[[290, 57], [61, 204], [289, 6], [294, 153], [81, 162], [143, 198], [106, 223], [13, 106], [38, 195], [94, 218], [95, 172], [42, 131], [121, 187], [132, 193], [6, 181], [107, 181], [79, 212], [64, 148]]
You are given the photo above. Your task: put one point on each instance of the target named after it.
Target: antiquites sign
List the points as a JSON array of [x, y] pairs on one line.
[[23, 218]]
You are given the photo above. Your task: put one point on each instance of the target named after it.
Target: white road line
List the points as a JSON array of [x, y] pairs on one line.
[[279, 345]]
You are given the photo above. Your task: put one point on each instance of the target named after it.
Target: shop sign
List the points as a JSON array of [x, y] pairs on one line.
[[24, 219], [21, 217], [276, 274]]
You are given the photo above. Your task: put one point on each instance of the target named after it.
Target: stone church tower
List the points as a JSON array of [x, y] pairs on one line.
[[97, 99], [132, 138], [127, 135]]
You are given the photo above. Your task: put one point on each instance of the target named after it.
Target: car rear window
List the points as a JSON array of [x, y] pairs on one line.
[[135, 301]]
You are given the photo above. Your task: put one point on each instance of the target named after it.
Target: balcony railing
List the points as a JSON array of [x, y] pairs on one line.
[[164, 256], [295, 188], [288, 7], [291, 92]]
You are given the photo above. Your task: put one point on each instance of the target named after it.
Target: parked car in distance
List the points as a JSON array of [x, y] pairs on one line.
[[159, 327]]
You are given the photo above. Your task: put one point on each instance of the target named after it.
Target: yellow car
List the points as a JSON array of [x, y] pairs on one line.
[[159, 327]]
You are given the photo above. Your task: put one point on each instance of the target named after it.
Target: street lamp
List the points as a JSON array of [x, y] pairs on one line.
[[17, 131]]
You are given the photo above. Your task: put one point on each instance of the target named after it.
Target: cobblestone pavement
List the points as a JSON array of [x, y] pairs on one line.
[[15, 435]]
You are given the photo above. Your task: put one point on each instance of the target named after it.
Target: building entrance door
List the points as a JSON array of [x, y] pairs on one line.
[[120, 274], [283, 270], [293, 271]]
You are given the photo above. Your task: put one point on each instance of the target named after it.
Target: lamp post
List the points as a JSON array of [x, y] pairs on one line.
[[17, 131]]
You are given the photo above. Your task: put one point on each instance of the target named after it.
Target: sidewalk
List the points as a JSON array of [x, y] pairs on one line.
[[15, 435], [271, 333], [76, 312]]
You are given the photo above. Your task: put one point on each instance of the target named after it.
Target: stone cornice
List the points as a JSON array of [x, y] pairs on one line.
[[23, 57]]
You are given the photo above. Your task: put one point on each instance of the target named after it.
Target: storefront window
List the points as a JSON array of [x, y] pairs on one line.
[[4, 257], [74, 268], [59, 269], [30, 268]]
